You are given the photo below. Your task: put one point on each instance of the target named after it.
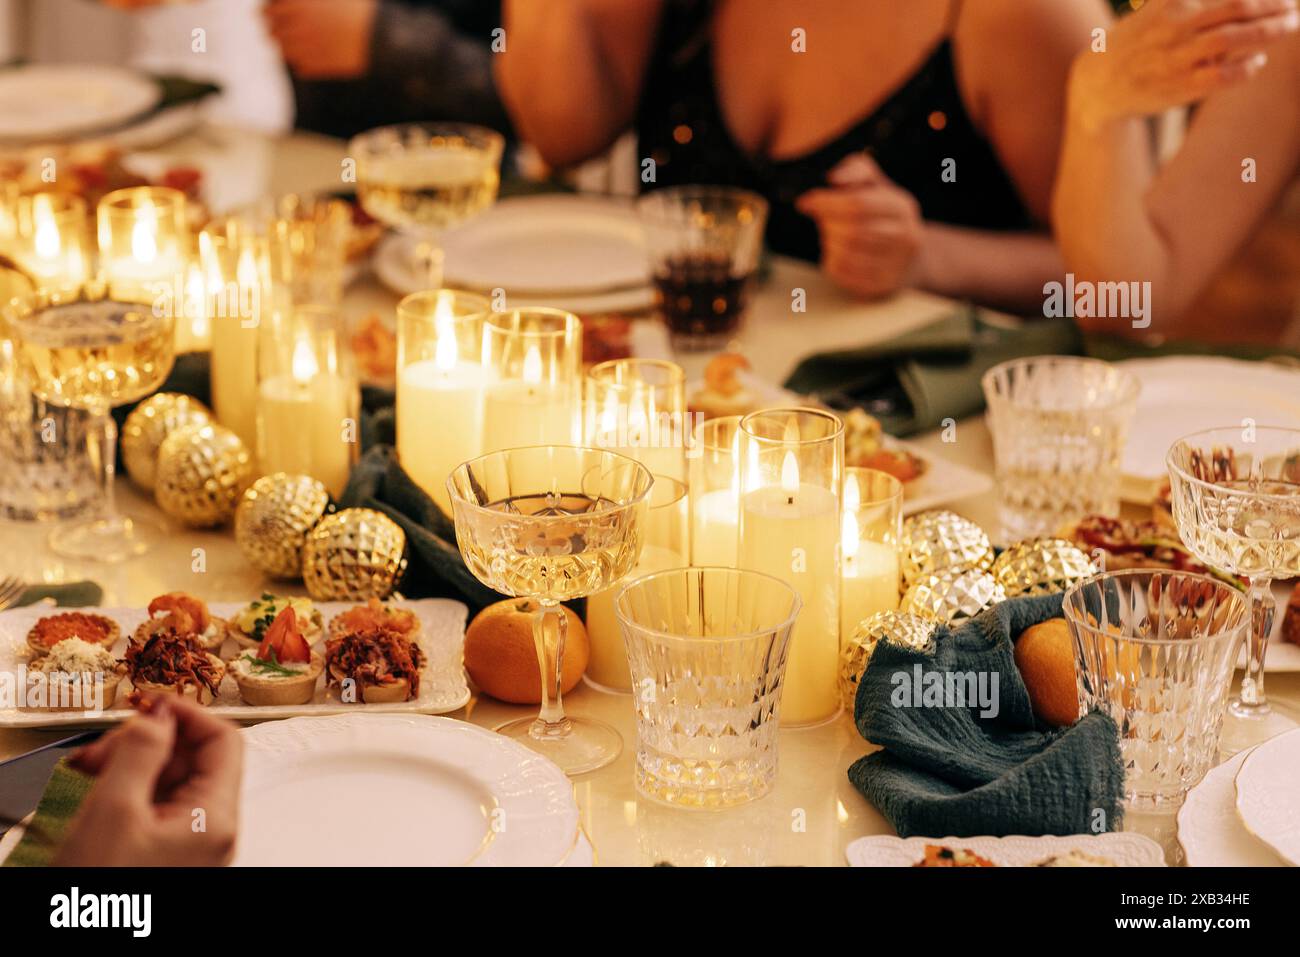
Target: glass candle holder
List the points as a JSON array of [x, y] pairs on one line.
[[532, 359], [708, 654], [872, 508], [49, 238], [440, 383], [637, 407], [308, 398], [667, 545], [792, 470], [715, 492], [307, 244], [235, 262], [705, 243], [143, 240]]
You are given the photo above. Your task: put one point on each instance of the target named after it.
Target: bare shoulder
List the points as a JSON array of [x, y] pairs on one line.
[[1007, 31]]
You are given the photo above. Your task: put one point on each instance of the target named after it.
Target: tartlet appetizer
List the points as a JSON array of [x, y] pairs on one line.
[[76, 676], [1076, 858], [248, 626], [938, 855], [383, 666], [186, 615], [283, 670], [52, 629], [375, 614], [170, 663]]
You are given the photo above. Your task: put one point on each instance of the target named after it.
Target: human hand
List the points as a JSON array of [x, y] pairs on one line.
[[1174, 52], [323, 39], [166, 792], [871, 229]]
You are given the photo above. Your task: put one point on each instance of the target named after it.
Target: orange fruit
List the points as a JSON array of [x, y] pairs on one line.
[[502, 659], [1044, 654]]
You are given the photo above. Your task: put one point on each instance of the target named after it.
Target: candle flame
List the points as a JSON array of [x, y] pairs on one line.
[[246, 271], [533, 365], [196, 300], [790, 474], [144, 234], [46, 235], [446, 351], [304, 366], [850, 535]]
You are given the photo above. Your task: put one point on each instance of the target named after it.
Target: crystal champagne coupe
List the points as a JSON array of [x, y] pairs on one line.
[[79, 349], [1236, 501], [548, 524], [424, 178]]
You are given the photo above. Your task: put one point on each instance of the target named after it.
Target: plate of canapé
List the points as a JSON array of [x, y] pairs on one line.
[[271, 657]]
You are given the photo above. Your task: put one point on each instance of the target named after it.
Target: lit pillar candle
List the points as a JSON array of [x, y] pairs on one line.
[[637, 407], [306, 415], [235, 270], [439, 399], [665, 531], [791, 465], [715, 493], [532, 396], [50, 238], [872, 524], [141, 236]]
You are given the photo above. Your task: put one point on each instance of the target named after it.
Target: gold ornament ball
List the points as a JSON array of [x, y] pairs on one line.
[[202, 472], [149, 424], [900, 627], [273, 519], [353, 555], [1041, 566], [939, 539], [952, 593]]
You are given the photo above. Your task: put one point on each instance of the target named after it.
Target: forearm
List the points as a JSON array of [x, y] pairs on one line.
[[571, 71], [1100, 207], [1007, 270]]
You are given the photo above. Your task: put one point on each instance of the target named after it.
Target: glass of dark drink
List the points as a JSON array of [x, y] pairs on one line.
[[704, 246]]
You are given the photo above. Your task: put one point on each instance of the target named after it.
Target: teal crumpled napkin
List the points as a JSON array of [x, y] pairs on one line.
[[912, 383], [945, 770]]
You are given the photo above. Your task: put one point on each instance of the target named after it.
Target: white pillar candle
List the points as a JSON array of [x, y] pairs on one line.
[[870, 583], [234, 343], [715, 528], [304, 428], [607, 664], [519, 413], [439, 420], [791, 532]]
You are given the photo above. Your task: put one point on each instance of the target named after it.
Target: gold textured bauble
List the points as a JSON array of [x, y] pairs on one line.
[[939, 539], [1041, 566], [149, 424], [897, 626], [952, 593], [353, 555], [202, 472], [273, 519]]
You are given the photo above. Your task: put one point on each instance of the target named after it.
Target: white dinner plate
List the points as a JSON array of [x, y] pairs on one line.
[[394, 260], [1209, 830], [443, 685], [1124, 849], [399, 790], [57, 101], [544, 245], [1268, 789], [1182, 394]]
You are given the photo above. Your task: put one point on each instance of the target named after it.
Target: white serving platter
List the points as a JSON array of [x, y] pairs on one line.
[[443, 685], [1125, 849]]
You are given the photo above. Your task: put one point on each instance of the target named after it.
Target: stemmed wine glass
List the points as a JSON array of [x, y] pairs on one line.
[[550, 523], [1236, 502], [424, 178], [80, 349]]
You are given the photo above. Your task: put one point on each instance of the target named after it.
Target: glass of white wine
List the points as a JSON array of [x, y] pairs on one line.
[[424, 178], [1235, 497], [551, 523], [81, 350]]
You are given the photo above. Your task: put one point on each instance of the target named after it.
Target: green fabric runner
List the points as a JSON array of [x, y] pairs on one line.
[[914, 382], [948, 770], [63, 795]]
